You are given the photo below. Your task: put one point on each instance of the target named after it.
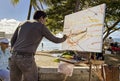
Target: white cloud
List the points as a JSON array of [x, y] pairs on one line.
[[8, 25]]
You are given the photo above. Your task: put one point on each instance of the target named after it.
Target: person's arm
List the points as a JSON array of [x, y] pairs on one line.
[[14, 37], [47, 34]]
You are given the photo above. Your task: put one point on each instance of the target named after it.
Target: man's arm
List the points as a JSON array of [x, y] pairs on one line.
[[47, 34]]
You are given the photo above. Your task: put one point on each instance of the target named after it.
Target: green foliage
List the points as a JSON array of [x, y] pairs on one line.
[[14, 2], [57, 12], [60, 8], [112, 8]]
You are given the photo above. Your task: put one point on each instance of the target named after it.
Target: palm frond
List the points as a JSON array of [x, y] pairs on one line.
[[14, 2]]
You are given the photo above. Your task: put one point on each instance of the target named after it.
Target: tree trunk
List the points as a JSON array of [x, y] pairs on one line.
[[29, 12], [77, 5], [110, 29], [106, 36]]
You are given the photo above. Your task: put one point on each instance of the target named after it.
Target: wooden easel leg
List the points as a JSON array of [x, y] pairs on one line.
[[90, 71], [90, 67], [103, 73], [65, 78]]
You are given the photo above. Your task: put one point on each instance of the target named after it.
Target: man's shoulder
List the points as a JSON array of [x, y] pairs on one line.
[[33, 22]]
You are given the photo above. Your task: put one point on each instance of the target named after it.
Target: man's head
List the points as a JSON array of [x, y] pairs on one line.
[[40, 16], [4, 43]]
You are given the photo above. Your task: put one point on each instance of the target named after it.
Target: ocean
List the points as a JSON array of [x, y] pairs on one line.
[[47, 45], [116, 39]]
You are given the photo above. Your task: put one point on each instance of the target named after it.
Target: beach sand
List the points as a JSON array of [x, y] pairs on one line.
[[44, 59]]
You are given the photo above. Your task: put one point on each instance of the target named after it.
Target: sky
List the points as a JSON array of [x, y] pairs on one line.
[[116, 34], [17, 12], [11, 15]]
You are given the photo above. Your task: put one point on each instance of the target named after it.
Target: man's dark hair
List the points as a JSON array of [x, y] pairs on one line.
[[39, 14]]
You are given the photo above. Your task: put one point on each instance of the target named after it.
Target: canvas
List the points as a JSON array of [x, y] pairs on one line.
[[85, 30]]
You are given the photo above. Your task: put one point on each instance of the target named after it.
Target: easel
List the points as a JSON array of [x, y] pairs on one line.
[[90, 67], [95, 63], [65, 78]]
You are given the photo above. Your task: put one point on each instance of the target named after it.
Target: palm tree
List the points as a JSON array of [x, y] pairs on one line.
[[35, 4]]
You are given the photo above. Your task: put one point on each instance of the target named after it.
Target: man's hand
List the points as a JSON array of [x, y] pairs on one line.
[[65, 36]]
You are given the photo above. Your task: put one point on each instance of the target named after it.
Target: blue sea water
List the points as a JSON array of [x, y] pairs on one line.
[[48, 45], [116, 39]]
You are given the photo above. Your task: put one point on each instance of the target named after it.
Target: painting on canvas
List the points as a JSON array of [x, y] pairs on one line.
[[85, 29]]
